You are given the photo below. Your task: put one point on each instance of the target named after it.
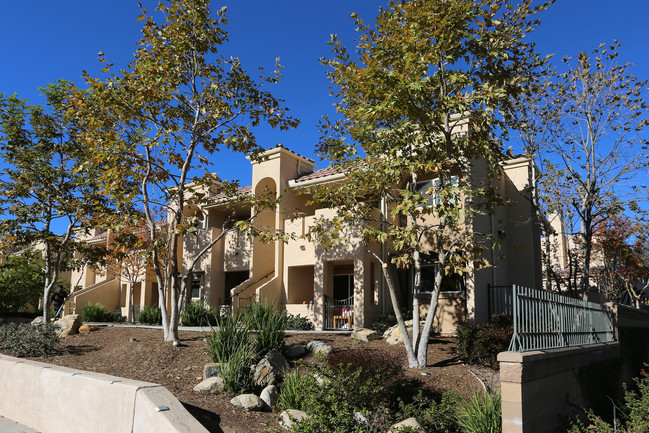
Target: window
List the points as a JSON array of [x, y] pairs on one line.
[[197, 285], [433, 199], [453, 283]]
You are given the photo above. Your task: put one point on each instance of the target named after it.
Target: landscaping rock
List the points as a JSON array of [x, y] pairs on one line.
[[213, 369], [87, 329], [270, 369], [269, 396], [294, 350], [318, 347], [290, 417], [213, 385], [393, 335], [410, 422], [68, 325], [249, 402], [361, 419], [38, 321], [364, 334]]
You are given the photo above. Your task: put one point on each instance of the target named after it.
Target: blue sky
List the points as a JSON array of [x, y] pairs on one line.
[[43, 40]]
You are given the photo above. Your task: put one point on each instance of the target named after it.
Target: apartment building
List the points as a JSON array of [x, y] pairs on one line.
[[338, 288]]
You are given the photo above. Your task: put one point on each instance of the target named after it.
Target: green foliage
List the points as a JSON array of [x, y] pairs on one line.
[[96, 312], [21, 282], [154, 124], [268, 325], [633, 417], [482, 413], [28, 340], [480, 343], [198, 314], [150, 315], [46, 179], [298, 323], [295, 390], [240, 341], [434, 416]]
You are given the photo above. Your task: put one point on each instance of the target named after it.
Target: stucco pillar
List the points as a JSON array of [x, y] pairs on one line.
[[319, 284], [359, 292]]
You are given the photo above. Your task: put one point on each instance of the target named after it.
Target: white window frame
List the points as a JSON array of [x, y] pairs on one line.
[[433, 199], [201, 280]]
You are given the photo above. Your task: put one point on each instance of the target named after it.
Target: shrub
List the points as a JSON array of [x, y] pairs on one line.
[[384, 322], [298, 323], [93, 312], [237, 372], [481, 413], [26, 339], [198, 314], [224, 341], [434, 416], [295, 390], [268, 325], [634, 413], [480, 343], [150, 315], [96, 312]]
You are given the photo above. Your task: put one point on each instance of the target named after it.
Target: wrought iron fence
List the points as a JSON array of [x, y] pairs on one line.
[[544, 320], [339, 313], [501, 300]]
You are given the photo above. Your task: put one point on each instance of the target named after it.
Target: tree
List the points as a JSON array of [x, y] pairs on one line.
[[47, 186], [157, 122], [21, 281], [428, 92], [595, 151], [619, 246]]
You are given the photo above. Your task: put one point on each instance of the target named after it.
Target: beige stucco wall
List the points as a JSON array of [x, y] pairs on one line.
[[541, 388], [56, 399]]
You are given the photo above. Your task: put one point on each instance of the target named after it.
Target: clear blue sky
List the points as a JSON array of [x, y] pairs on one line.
[[43, 40]]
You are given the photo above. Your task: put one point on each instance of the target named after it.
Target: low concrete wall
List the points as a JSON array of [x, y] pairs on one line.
[[56, 399], [540, 389]]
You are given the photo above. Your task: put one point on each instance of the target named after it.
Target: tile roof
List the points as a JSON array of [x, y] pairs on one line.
[[242, 190], [318, 174]]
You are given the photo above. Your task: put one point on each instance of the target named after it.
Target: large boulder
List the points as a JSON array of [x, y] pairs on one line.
[[294, 350], [269, 395], [365, 335], [213, 385], [69, 324], [270, 369], [411, 423], [318, 347], [249, 402], [393, 335], [291, 416]]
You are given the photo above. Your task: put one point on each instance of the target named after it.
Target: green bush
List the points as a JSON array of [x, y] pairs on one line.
[[298, 323], [26, 339], [150, 315], [198, 314], [480, 343], [268, 325], [634, 414], [294, 391], [96, 312], [384, 322], [481, 413], [93, 312], [434, 416]]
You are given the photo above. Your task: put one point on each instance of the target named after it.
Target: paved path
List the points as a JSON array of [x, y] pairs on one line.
[[9, 426]]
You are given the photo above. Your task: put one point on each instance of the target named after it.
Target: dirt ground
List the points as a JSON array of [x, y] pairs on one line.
[[141, 354]]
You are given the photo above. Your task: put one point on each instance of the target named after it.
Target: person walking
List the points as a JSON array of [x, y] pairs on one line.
[[57, 300]]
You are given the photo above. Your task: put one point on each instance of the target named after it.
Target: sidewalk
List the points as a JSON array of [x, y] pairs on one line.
[[9, 426]]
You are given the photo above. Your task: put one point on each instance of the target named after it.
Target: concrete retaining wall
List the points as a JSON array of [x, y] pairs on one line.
[[540, 389], [55, 399]]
